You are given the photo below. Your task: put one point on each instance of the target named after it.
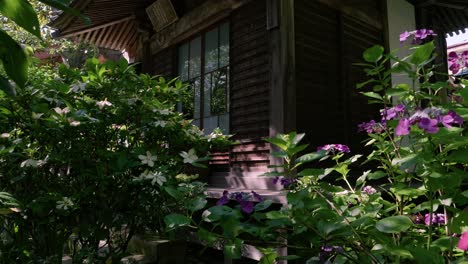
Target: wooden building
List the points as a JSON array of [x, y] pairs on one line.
[[261, 67]]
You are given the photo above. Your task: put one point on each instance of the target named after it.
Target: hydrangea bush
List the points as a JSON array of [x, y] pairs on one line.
[[94, 156], [410, 208]]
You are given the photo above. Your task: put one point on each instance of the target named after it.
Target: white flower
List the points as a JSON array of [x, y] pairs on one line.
[[32, 163], [163, 111], [61, 111], [36, 115], [189, 157], [160, 123], [158, 178], [78, 87], [73, 122], [215, 134], [154, 177], [64, 204], [102, 104], [148, 159], [5, 135]]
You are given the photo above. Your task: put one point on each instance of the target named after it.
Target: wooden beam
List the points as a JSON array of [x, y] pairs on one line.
[[202, 17], [109, 32], [119, 41], [116, 37], [98, 27], [124, 30]]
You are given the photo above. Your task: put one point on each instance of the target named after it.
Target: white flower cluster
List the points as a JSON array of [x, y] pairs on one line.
[[190, 156], [65, 204], [154, 177]]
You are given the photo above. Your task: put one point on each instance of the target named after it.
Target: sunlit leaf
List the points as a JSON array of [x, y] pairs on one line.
[[22, 13]]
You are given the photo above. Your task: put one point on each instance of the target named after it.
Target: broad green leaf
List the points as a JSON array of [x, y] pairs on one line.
[[406, 162], [376, 175], [372, 95], [373, 54], [311, 156], [233, 249], [280, 143], [311, 172], [402, 189], [275, 215], [422, 53], [394, 224], [23, 14], [396, 92], [7, 87], [14, 59], [173, 192], [269, 256], [197, 203], [176, 220], [460, 156], [263, 205], [207, 237]]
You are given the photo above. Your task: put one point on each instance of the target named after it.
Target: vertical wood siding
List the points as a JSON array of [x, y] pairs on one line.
[[328, 42], [249, 85], [163, 63]]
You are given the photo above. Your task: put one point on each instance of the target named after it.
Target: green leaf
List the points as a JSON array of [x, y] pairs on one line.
[[311, 156], [269, 256], [263, 205], [23, 14], [280, 143], [14, 59], [394, 224], [197, 204], [376, 175], [460, 156], [406, 162], [275, 215], [207, 237], [63, 5], [422, 53], [373, 54], [372, 95], [176, 220], [360, 85], [173, 192], [7, 87], [233, 249]]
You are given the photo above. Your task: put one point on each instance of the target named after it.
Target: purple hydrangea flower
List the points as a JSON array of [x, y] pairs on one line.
[[436, 219], [239, 196], [371, 127], [429, 125], [452, 56], [334, 148], [275, 180], [455, 67], [403, 127], [224, 199], [247, 206], [418, 35], [391, 113], [257, 196], [369, 190], [404, 36]]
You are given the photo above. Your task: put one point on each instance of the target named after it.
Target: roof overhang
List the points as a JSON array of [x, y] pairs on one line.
[[449, 16], [115, 24]]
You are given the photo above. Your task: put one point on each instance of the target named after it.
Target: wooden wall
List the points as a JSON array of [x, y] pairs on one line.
[[328, 42], [249, 96], [249, 85]]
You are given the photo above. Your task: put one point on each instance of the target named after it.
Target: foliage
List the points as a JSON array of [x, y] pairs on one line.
[[94, 155], [410, 208]]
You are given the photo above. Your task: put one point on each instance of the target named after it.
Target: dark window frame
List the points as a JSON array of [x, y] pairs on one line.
[[203, 73]]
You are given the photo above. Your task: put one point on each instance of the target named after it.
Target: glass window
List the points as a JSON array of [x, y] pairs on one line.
[[208, 78]]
